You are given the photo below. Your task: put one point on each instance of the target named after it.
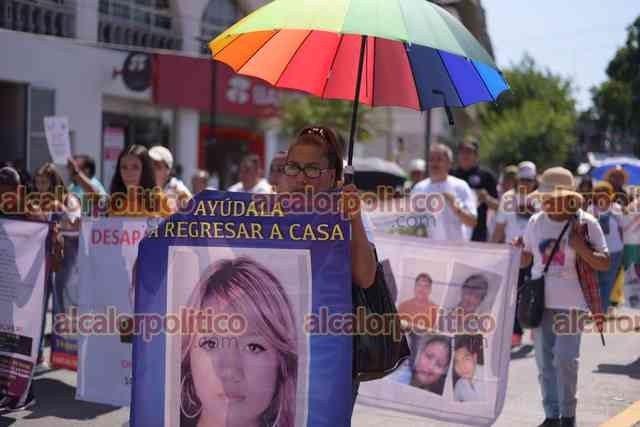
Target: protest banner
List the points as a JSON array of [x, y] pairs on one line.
[[631, 237], [457, 300], [66, 286], [22, 281], [259, 277], [56, 130], [108, 250]]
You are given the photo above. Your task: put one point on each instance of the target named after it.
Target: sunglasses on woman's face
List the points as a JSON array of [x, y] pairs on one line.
[[310, 171]]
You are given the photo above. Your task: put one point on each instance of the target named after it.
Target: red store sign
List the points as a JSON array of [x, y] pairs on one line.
[[184, 82]]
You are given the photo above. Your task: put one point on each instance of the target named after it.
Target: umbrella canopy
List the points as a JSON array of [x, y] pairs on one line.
[[415, 55], [630, 166]]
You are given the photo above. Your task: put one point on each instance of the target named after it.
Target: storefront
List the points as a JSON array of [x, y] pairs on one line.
[[229, 128], [115, 98], [65, 78]]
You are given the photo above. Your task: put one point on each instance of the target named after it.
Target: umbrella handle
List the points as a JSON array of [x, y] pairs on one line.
[[348, 173], [447, 109], [356, 101]]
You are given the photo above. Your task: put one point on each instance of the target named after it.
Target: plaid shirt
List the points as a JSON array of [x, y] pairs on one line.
[[588, 278]]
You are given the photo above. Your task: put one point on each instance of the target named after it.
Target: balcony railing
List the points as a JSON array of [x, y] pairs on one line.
[[50, 17], [147, 23]]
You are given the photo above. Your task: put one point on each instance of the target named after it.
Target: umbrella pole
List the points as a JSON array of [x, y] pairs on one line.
[[354, 115]]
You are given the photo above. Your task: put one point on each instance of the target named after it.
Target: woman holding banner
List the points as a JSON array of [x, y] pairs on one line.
[[64, 212], [133, 187], [10, 194], [247, 379], [314, 161]]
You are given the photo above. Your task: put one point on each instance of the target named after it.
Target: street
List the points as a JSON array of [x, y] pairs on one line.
[[609, 383]]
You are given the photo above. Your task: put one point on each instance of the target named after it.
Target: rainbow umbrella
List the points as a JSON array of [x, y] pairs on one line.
[[406, 53]]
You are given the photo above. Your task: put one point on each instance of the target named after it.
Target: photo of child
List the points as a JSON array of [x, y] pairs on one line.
[[546, 247], [468, 369]]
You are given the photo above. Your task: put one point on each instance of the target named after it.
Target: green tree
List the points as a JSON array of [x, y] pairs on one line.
[[617, 100], [534, 121], [300, 111]]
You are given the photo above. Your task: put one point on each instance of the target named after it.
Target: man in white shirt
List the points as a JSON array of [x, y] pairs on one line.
[[456, 216], [514, 212], [250, 177]]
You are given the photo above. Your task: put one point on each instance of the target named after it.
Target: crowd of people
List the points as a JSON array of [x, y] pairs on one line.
[[529, 210], [522, 207]]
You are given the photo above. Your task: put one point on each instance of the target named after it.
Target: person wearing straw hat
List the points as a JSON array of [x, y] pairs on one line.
[[618, 178], [610, 217], [569, 294]]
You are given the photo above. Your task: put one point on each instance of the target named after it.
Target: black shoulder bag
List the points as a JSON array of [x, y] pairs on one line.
[[531, 294], [378, 353]]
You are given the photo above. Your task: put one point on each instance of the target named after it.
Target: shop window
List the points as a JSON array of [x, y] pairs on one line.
[[117, 35], [41, 105], [143, 22]]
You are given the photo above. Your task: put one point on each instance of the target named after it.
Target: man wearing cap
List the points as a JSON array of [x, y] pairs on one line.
[[516, 207], [162, 165], [457, 215], [571, 290], [417, 171], [508, 179], [480, 180]]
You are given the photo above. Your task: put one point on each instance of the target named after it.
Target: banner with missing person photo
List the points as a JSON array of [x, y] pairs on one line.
[[456, 301], [228, 300], [631, 262], [23, 269], [103, 322]]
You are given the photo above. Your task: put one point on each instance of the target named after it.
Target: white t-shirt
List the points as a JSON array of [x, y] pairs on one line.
[[562, 287], [467, 390], [447, 224], [262, 186], [368, 226], [610, 221], [176, 187], [631, 224], [515, 224]]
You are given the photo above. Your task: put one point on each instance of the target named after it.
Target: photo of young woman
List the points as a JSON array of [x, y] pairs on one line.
[[429, 363], [468, 370], [245, 380]]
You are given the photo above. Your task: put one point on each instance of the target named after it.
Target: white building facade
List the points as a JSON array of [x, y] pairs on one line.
[[67, 58]]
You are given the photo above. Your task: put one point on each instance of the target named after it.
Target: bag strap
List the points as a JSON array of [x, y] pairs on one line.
[[555, 247]]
